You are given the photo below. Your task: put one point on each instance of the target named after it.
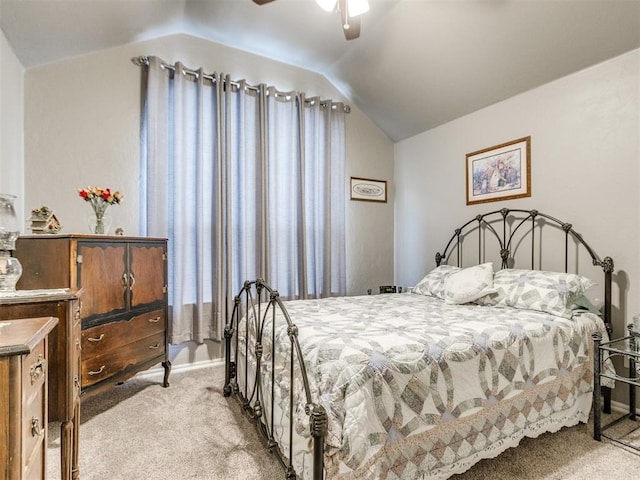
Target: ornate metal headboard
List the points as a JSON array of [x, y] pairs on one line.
[[513, 229]]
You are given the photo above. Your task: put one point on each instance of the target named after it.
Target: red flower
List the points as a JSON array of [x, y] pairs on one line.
[[100, 198]]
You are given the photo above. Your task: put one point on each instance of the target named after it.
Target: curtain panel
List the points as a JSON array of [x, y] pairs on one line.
[[246, 182]]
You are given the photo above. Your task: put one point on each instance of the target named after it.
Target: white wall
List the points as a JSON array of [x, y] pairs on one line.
[[82, 126], [11, 125], [369, 225], [585, 169]]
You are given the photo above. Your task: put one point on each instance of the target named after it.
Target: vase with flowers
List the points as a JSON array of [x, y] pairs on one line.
[[100, 199]]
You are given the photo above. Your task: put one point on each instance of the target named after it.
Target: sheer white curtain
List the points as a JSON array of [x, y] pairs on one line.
[[245, 182]]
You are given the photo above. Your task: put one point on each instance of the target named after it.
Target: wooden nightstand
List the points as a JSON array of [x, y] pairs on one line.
[[24, 371], [64, 362]]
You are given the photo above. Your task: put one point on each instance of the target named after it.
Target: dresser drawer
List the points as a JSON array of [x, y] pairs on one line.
[[99, 367], [34, 372], [76, 353], [34, 423], [35, 468], [103, 338]]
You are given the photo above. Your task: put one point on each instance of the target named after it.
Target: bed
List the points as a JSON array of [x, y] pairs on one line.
[[482, 352]]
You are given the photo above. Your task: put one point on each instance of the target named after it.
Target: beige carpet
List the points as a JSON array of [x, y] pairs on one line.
[[140, 430]]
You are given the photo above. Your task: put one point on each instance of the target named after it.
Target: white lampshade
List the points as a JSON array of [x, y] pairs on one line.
[[328, 5], [357, 7]]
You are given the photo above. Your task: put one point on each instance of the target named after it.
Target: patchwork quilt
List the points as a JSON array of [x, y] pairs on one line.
[[415, 388]]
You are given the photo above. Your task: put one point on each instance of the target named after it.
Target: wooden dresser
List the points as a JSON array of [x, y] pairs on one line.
[[64, 362], [23, 397], [124, 302]]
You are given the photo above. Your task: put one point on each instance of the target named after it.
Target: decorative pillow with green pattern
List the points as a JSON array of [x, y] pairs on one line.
[[551, 292]]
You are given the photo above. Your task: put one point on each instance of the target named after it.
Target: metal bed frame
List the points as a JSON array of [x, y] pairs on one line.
[[506, 226], [511, 220], [263, 306]]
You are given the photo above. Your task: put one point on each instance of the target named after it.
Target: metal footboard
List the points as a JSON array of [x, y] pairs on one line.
[[255, 306]]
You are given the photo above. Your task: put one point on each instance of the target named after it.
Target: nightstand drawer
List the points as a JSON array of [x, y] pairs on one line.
[[103, 338], [97, 368]]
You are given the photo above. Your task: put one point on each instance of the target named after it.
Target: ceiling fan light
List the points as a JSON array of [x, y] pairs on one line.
[[328, 5], [357, 7]]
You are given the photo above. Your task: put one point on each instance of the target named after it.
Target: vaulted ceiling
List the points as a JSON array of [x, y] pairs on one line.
[[417, 64]]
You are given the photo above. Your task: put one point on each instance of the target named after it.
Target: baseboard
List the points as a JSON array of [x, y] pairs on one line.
[[182, 367], [618, 407]]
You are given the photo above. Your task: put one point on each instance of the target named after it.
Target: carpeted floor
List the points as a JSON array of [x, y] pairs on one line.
[[140, 430]]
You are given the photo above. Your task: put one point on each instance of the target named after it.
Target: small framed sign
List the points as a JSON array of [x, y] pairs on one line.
[[368, 190]]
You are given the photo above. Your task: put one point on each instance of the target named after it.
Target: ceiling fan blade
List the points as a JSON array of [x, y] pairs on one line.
[[350, 25], [351, 28], [262, 2]]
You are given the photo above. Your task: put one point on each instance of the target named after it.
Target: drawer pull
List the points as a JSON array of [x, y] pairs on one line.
[[154, 320], [153, 347], [36, 430], [132, 281], [100, 370], [38, 369], [96, 340]]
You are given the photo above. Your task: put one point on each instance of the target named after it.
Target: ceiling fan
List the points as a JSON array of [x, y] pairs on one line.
[[350, 11]]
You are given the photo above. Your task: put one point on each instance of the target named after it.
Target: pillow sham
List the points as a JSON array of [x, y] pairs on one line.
[[433, 282], [582, 303], [594, 297], [469, 284], [550, 292]]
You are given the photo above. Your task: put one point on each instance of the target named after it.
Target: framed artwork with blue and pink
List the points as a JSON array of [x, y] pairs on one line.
[[498, 173]]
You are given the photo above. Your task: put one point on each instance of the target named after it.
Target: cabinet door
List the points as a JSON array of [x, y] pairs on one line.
[[147, 269], [103, 275]]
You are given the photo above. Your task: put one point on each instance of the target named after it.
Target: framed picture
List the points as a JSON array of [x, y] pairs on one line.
[[368, 190], [498, 173]]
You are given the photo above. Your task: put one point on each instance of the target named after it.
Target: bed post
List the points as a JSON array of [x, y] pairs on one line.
[[229, 366], [607, 266], [597, 390], [228, 333], [319, 422]]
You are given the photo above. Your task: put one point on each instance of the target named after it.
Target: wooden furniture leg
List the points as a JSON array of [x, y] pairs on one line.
[[75, 469], [66, 440]]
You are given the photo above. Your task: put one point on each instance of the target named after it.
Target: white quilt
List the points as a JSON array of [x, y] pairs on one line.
[[415, 388]]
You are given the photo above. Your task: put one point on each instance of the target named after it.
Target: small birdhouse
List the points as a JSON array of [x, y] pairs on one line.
[[43, 221]]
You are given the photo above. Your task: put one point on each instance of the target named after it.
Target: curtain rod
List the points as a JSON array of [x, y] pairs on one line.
[[144, 61]]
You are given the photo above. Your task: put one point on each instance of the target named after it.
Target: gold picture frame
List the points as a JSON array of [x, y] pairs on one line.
[[499, 173]]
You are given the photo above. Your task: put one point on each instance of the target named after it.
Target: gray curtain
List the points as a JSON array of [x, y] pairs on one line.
[[246, 182]]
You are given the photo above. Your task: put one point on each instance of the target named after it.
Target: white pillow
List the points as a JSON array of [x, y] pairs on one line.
[[469, 284]]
